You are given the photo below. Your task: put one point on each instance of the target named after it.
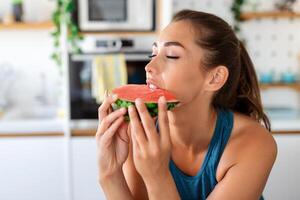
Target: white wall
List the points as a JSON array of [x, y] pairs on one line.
[[29, 78], [33, 80], [34, 10]]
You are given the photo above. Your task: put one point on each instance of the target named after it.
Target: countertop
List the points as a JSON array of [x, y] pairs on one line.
[[279, 126], [88, 127]]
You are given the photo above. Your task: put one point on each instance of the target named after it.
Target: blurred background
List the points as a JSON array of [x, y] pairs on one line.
[[58, 56]]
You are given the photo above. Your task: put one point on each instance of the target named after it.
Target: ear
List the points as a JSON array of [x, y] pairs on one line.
[[216, 78]]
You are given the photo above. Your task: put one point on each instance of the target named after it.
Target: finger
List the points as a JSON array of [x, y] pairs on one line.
[[123, 135], [109, 133], [105, 107], [147, 121], [163, 120], [135, 145], [137, 131], [110, 109], [108, 120]]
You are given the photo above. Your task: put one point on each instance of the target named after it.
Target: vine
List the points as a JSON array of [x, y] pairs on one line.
[[236, 9], [63, 15]]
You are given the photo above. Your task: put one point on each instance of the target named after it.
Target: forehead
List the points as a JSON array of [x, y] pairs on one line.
[[180, 31]]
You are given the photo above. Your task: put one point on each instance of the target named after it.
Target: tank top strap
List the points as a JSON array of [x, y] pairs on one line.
[[220, 138]]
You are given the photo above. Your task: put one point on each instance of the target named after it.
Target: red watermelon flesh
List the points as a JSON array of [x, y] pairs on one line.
[[131, 92]]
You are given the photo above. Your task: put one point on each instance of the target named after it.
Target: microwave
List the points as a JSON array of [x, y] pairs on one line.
[[116, 15]]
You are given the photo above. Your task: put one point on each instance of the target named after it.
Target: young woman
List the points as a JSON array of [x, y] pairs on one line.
[[214, 145]]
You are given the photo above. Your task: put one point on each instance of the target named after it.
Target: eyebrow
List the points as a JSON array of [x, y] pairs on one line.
[[171, 43]]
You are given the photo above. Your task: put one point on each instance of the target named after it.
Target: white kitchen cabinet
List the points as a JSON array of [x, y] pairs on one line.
[[84, 169], [284, 180], [32, 168]]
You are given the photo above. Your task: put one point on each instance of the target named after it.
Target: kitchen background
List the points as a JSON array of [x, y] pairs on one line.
[[48, 113]]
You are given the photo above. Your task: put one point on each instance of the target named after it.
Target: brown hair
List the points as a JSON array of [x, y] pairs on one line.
[[241, 91]]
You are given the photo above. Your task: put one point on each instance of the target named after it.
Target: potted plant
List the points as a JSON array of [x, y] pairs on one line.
[[17, 7]]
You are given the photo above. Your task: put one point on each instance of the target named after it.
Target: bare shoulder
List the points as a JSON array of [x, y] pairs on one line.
[[250, 135], [251, 143]]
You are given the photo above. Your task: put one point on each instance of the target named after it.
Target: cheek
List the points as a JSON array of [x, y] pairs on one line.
[[184, 85]]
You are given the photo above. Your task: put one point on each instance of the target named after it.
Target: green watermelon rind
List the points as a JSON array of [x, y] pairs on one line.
[[151, 107]]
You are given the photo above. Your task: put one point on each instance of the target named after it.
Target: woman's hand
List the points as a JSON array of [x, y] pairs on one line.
[[112, 139], [151, 151]]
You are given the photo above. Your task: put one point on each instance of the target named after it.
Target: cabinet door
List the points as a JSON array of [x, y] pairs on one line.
[[284, 180], [32, 168], [84, 170]]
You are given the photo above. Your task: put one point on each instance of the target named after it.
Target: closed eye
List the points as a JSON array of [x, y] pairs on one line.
[[173, 57], [170, 57], [151, 56]]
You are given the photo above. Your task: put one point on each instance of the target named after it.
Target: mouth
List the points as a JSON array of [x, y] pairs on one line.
[[151, 85]]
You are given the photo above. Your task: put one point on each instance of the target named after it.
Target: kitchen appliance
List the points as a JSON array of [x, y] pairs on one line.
[[137, 49], [116, 15]]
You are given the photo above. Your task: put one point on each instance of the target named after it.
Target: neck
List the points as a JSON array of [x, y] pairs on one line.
[[192, 125]]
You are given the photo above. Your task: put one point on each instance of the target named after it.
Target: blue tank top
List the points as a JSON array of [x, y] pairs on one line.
[[200, 186]]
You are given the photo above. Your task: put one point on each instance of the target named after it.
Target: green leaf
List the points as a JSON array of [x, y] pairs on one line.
[[56, 43], [70, 6], [17, 2]]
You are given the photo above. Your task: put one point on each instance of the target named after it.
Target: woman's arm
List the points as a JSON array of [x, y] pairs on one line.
[[115, 187], [133, 179], [112, 150], [247, 178], [162, 188]]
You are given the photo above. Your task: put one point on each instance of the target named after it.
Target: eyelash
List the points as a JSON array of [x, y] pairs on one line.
[[170, 57]]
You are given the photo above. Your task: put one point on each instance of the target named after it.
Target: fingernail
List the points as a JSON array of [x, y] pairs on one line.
[[130, 108], [105, 93], [114, 97], [138, 101], [162, 99]]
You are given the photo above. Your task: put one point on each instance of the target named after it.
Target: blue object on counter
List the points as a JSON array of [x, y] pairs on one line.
[[266, 78], [288, 77]]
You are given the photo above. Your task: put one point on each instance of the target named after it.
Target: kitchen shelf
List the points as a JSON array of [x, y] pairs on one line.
[[268, 14], [83, 132], [121, 33], [27, 25], [39, 134], [294, 86]]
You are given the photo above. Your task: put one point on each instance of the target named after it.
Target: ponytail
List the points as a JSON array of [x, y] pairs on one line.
[[248, 94], [241, 92]]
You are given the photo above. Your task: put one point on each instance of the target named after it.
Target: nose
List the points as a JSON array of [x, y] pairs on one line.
[[151, 67]]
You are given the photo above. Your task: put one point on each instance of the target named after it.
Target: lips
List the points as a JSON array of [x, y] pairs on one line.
[[151, 84]]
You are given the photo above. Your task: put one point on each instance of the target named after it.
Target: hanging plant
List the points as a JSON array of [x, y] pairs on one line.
[[62, 15], [236, 9]]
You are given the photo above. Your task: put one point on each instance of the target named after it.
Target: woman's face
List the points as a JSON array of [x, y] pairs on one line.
[[175, 63]]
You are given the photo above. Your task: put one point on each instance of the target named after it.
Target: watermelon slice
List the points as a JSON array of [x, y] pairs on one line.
[[127, 94]]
